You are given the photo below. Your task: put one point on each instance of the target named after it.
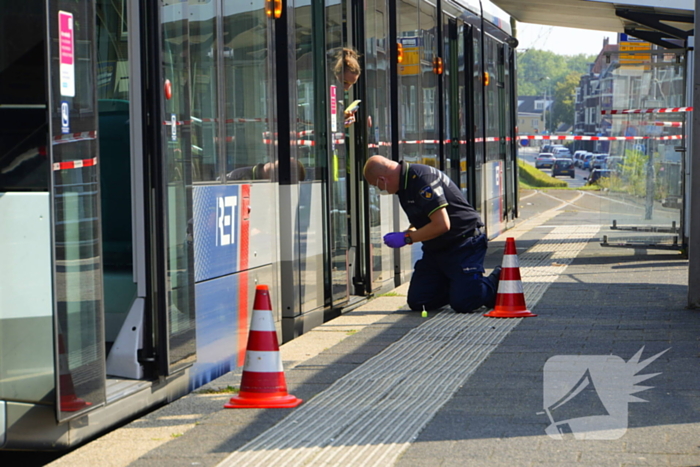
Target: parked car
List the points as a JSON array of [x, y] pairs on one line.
[[597, 174], [599, 161], [544, 161], [561, 152], [551, 148], [578, 156], [586, 162], [564, 167], [614, 163]]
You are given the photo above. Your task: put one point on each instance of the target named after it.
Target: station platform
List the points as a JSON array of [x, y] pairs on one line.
[[384, 386]]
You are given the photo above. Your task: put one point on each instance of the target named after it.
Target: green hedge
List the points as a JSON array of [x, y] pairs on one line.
[[535, 178]]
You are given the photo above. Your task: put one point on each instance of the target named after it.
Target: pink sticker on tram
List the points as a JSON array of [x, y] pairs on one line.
[[66, 53]]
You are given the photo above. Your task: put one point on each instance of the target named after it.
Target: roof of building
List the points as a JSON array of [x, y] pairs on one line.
[[602, 60], [526, 104], [564, 129]]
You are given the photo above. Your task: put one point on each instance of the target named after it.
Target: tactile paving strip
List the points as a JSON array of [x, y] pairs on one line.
[[369, 416]]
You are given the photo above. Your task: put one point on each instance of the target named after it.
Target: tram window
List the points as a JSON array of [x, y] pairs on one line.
[[493, 104], [306, 149], [249, 134], [23, 157], [114, 138], [205, 98]]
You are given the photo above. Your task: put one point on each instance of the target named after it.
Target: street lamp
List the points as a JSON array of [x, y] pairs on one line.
[[544, 111], [544, 107]]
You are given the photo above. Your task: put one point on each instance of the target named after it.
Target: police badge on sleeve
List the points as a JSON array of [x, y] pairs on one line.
[[426, 192]]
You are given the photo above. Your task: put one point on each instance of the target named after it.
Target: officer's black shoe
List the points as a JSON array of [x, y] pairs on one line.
[[494, 277]]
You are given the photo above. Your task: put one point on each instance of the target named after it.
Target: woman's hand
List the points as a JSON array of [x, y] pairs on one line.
[[349, 118]]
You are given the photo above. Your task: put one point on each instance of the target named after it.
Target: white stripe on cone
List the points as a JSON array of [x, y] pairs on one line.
[[510, 287], [262, 321], [510, 261], [263, 361]]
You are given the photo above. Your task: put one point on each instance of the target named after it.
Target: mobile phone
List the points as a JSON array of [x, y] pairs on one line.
[[354, 106]]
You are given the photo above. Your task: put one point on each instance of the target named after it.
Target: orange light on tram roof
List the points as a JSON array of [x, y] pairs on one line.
[[399, 52], [273, 8], [438, 66]]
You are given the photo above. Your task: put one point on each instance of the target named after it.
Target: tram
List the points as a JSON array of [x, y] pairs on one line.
[[159, 159]]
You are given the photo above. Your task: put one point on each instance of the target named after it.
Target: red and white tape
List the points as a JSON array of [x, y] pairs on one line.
[[245, 120], [647, 111], [379, 144], [666, 124], [70, 138], [580, 138], [302, 142], [177, 123], [669, 137], [77, 164], [594, 138]]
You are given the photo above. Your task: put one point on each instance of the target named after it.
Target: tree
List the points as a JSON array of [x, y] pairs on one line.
[[535, 64], [562, 70], [564, 100]]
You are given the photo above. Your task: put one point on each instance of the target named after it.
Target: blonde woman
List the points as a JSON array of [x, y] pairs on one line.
[[347, 70]]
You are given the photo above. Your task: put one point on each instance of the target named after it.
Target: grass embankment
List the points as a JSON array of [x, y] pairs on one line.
[[531, 177]]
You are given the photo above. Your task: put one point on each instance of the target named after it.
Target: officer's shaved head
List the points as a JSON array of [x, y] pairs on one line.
[[380, 166], [377, 166]]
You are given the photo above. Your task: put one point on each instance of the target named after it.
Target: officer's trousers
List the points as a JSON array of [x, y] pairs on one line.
[[453, 276]]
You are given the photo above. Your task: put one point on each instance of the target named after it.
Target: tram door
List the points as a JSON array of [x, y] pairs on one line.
[[474, 113], [456, 102], [175, 260], [97, 200], [498, 142], [145, 323], [121, 188], [376, 82], [509, 122], [339, 215], [49, 263], [73, 114]]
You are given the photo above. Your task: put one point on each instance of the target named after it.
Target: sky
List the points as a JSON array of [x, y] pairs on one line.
[[562, 41]]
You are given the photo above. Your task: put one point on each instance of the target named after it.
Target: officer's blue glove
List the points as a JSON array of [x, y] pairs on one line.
[[395, 239]]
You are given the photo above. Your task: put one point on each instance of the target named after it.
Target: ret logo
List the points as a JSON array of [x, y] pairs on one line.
[[225, 215], [587, 395]]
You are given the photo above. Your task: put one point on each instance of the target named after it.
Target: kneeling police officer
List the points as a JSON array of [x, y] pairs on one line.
[[451, 271]]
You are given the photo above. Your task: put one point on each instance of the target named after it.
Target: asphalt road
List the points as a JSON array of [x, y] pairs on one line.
[[577, 182]]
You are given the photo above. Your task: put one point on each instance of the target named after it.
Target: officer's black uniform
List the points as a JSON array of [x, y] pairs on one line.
[[452, 267], [254, 172]]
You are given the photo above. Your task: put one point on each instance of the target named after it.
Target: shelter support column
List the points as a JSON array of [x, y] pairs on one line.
[[691, 201]]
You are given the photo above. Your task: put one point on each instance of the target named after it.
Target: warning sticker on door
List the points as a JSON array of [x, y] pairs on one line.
[[66, 53]]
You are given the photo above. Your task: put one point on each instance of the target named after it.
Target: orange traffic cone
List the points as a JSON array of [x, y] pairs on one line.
[[262, 385], [69, 402], [510, 299]]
